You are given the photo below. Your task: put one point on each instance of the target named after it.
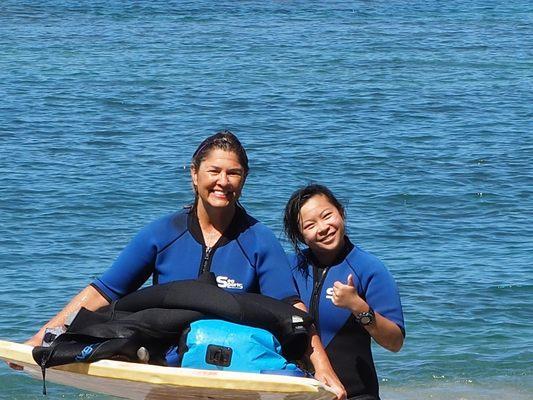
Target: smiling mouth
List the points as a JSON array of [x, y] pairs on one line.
[[328, 238], [220, 193]]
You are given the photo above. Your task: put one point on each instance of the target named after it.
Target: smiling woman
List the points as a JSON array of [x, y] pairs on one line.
[[322, 228], [219, 179], [349, 292], [215, 235], [218, 172]]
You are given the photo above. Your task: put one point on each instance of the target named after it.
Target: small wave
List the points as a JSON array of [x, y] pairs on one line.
[[466, 389]]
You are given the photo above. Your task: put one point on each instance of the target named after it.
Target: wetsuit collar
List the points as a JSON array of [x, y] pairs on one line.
[[237, 226], [348, 247]]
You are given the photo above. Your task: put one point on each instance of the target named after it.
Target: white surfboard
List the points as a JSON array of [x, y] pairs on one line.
[[152, 382]]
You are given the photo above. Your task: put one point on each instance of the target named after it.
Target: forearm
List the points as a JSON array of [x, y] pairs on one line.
[[316, 353], [319, 359], [386, 333], [89, 298]]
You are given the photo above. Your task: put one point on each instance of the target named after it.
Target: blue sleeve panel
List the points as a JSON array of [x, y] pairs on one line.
[[377, 286], [271, 264], [373, 281], [137, 262], [252, 261]]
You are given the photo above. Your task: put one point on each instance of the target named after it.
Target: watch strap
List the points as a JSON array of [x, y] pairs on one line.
[[366, 318]]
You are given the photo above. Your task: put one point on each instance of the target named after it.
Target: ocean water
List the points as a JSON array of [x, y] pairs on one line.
[[417, 114]]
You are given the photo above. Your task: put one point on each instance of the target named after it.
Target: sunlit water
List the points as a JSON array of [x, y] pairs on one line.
[[417, 114]]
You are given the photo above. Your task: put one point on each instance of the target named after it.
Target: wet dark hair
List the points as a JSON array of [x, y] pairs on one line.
[[291, 218], [223, 140]]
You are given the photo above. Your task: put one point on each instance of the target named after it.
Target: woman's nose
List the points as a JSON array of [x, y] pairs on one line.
[[322, 227], [222, 178]]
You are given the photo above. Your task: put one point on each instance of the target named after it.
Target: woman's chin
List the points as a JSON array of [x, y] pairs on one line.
[[329, 247], [221, 202]]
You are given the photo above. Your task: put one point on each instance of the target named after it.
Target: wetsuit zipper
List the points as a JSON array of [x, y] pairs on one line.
[[206, 261], [315, 295]]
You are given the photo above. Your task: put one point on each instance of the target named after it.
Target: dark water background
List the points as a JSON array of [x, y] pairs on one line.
[[417, 114]]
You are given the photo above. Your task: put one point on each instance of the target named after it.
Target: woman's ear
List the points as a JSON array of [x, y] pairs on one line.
[[194, 177]]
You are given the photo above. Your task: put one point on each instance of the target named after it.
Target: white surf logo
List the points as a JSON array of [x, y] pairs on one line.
[[329, 293], [225, 282]]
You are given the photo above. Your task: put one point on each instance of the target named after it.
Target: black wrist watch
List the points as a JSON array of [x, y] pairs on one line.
[[366, 318]]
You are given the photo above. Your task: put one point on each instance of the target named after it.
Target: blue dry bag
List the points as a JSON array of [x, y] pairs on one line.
[[221, 345]]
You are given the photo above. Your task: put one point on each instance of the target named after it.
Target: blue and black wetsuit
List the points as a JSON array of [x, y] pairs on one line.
[[247, 258], [347, 343]]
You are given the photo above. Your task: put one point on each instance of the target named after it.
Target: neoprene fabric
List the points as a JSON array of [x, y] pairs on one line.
[[154, 318]]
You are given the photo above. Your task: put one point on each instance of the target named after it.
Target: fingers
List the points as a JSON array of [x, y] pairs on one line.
[[349, 282], [334, 384], [338, 389], [16, 367], [337, 292], [340, 392], [337, 298]]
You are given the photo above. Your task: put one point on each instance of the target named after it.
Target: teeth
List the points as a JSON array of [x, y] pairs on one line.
[[326, 238], [222, 193]]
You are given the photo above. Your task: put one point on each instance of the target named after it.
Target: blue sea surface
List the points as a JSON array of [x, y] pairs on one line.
[[417, 114]]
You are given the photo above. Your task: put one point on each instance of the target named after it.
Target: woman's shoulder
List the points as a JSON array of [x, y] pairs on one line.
[[168, 225], [365, 262], [252, 225], [299, 262], [362, 255], [369, 268], [257, 237], [171, 218], [294, 259]]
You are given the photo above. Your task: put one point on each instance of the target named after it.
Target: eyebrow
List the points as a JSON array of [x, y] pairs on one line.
[[240, 169], [325, 211]]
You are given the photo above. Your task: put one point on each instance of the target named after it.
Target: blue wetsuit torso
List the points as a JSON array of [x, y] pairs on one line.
[[247, 257], [347, 343]]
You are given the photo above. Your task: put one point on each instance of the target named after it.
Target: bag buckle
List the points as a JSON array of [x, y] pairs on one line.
[[218, 355]]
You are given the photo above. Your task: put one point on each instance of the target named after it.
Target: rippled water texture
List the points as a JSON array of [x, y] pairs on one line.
[[417, 114]]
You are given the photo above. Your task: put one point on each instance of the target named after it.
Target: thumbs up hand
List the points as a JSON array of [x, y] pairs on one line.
[[345, 294]]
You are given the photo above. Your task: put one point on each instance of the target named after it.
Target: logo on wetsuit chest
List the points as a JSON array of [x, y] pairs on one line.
[[225, 282], [329, 293]]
